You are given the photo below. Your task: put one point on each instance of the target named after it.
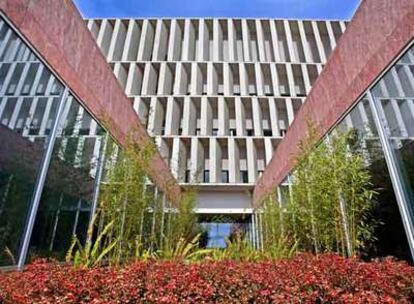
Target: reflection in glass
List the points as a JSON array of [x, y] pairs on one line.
[[25, 122], [218, 229], [391, 239], [394, 94], [65, 205]]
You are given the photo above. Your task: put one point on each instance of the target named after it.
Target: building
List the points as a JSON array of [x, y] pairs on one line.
[[221, 97], [368, 86], [217, 94]]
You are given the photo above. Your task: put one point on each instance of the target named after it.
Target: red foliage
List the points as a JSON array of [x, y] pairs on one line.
[[306, 278]]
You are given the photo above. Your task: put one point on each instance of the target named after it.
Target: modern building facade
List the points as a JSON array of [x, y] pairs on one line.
[[218, 95], [52, 137], [367, 86], [226, 101]]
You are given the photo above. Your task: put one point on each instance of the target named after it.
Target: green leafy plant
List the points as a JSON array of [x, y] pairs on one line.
[[329, 204], [184, 250], [134, 223], [238, 249], [92, 253]]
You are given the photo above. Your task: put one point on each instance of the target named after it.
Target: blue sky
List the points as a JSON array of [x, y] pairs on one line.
[[306, 9]]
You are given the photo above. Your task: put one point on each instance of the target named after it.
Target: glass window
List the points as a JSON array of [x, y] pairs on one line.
[[65, 205], [394, 97], [244, 176], [206, 176], [25, 123], [30, 98], [220, 228], [224, 176], [391, 239]]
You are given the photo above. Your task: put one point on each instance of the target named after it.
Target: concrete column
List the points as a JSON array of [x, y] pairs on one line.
[[196, 79], [260, 40], [259, 79], [306, 80], [189, 117], [163, 149], [257, 117], [165, 80], [181, 80], [174, 42], [251, 159], [318, 39], [104, 36], [275, 40], [178, 159], [223, 117], [92, 26], [290, 112], [231, 33], [146, 41], [172, 117], [227, 79], [206, 116], [141, 109], [289, 40], [149, 82], [215, 160], [156, 117], [197, 160], [188, 41], [246, 40], [134, 80], [305, 44], [331, 35], [343, 26], [203, 41], [212, 85], [268, 150], [244, 79], [234, 161], [273, 117], [120, 74], [291, 79], [117, 42], [160, 41], [131, 41], [319, 68], [217, 41], [275, 79], [240, 117]]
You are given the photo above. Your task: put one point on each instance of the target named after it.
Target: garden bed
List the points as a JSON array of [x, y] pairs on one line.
[[305, 278]]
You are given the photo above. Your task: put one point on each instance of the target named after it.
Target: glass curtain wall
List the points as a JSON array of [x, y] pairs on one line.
[[393, 101], [35, 113], [389, 232], [220, 228], [68, 193], [383, 121]]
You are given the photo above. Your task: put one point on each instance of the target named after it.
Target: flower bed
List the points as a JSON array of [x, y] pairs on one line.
[[305, 278]]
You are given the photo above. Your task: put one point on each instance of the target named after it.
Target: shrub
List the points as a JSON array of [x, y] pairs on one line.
[[306, 278]]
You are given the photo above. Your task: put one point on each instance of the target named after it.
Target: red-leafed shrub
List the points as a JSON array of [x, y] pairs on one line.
[[305, 278]]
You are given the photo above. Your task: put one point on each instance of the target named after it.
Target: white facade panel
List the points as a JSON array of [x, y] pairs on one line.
[[218, 94]]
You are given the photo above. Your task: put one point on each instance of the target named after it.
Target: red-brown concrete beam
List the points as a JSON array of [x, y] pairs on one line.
[[59, 34], [378, 32]]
